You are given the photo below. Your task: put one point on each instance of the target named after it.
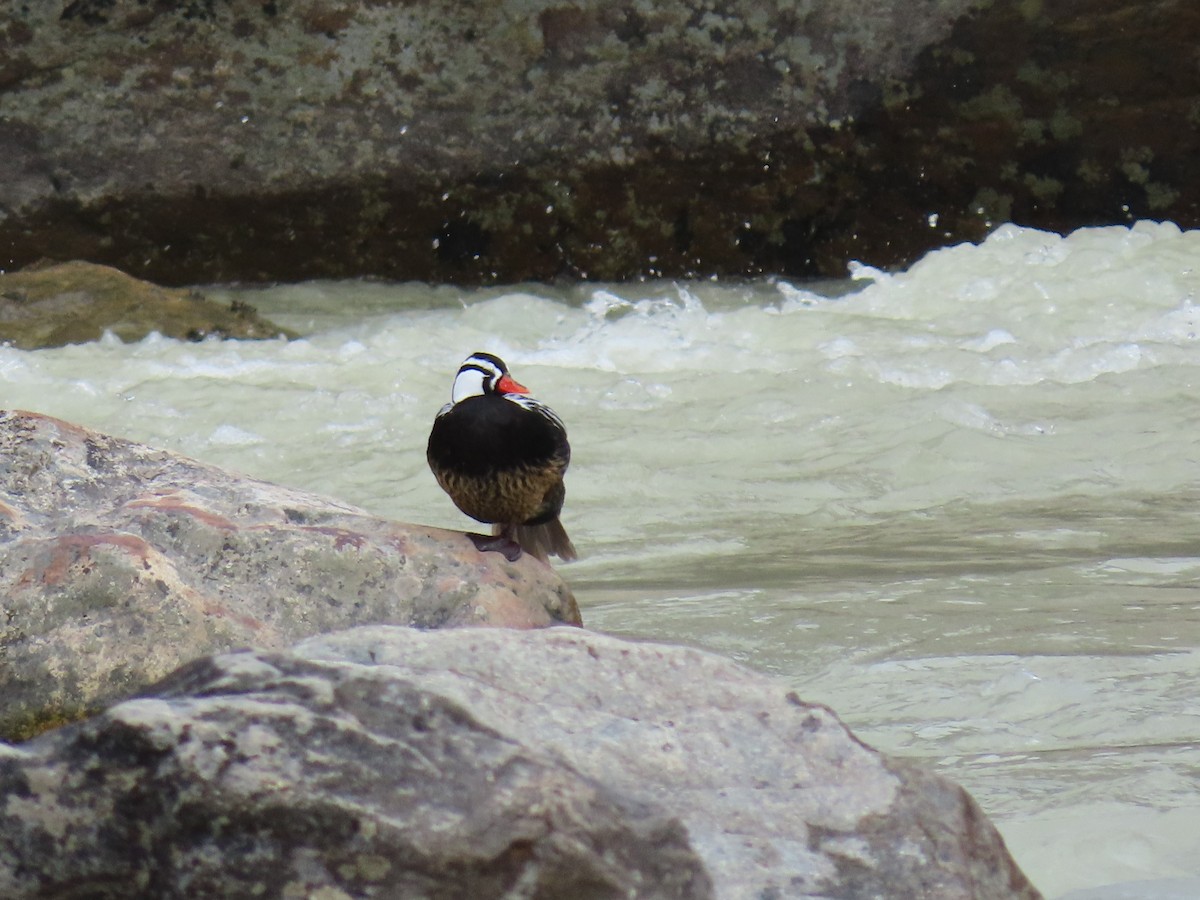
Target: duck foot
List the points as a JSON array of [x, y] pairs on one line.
[[498, 543]]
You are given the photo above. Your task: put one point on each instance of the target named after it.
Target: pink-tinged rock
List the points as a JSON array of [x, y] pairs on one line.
[[119, 562]]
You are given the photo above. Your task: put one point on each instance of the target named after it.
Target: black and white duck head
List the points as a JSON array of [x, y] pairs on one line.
[[481, 374]]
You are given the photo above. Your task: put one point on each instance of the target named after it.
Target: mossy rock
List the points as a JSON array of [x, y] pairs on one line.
[[75, 302], [30, 723]]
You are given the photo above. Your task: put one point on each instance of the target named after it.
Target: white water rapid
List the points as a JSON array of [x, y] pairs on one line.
[[960, 505]]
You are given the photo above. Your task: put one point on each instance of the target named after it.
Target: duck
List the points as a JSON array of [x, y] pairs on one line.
[[501, 455]]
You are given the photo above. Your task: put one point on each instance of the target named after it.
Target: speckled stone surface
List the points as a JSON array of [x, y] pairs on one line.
[[389, 762], [534, 139], [210, 141], [119, 562], [264, 775], [778, 797]]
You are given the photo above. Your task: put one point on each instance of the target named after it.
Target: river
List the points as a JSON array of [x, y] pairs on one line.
[[958, 504]]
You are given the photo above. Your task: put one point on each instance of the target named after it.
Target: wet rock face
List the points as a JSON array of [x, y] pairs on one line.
[[390, 762], [1056, 114], [433, 140], [207, 141], [119, 562]]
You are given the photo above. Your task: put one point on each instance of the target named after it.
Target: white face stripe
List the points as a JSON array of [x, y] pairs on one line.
[[477, 374], [485, 361], [468, 383]]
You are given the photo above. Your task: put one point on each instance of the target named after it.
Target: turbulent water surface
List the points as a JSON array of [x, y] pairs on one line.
[[958, 504]]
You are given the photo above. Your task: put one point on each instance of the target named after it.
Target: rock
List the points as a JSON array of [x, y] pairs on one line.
[[264, 775], [75, 302], [430, 140], [389, 762], [119, 562], [201, 142], [1054, 114], [779, 799]]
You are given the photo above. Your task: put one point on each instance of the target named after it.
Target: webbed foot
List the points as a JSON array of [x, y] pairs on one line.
[[498, 543]]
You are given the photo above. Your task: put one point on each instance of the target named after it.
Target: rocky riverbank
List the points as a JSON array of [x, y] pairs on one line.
[[404, 757]]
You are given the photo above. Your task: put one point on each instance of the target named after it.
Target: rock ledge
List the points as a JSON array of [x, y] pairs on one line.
[[120, 562]]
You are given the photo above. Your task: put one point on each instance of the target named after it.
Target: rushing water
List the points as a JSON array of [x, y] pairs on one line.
[[958, 504]]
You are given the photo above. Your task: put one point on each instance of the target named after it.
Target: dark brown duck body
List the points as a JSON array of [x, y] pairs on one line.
[[501, 456]]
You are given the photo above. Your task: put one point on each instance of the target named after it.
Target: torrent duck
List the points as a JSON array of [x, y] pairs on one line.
[[501, 455]]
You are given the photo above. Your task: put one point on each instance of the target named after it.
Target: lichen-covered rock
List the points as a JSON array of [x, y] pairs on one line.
[[389, 762], [73, 302], [119, 562], [529, 139]]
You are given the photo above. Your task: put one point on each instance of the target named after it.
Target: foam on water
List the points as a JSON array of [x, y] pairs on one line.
[[956, 503]]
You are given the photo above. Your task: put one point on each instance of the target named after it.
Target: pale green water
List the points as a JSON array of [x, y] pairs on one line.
[[960, 506]]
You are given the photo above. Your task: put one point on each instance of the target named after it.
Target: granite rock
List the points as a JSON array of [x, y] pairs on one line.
[[120, 562], [204, 142], [533, 139], [779, 799], [263, 775], [389, 762]]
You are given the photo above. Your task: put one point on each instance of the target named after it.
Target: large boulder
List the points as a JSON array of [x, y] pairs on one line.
[[120, 562], [388, 762], [529, 139]]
